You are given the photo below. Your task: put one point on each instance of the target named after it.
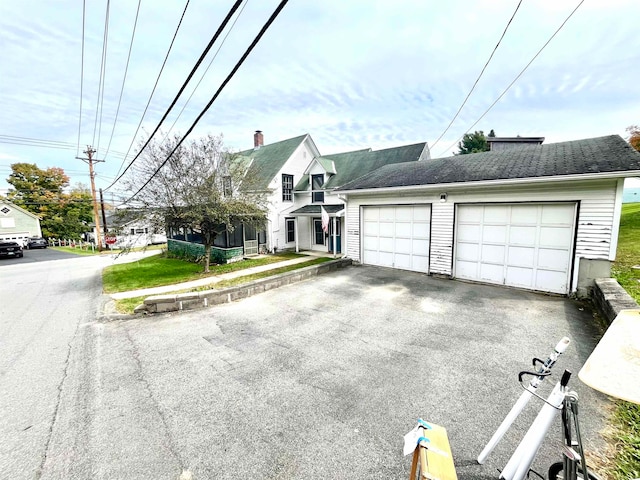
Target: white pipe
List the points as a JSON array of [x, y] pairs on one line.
[[523, 400], [521, 460]]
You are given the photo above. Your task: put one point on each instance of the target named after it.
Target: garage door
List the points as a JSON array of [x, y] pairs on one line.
[[525, 245], [397, 236]]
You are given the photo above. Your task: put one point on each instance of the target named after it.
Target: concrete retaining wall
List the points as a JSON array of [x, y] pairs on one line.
[[611, 298], [189, 301]]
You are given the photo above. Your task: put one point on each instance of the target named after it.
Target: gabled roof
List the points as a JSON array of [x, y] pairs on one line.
[[266, 161], [608, 154], [351, 165], [20, 209]]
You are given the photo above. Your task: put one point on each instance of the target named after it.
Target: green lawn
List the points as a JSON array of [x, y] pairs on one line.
[[89, 251], [128, 304], [626, 417], [159, 270]]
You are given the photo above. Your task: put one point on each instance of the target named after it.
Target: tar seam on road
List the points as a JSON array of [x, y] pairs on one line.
[[59, 396], [136, 356]]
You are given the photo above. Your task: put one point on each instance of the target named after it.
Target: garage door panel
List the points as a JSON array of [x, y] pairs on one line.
[[385, 244], [491, 273], [521, 256], [553, 259], [493, 254], [420, 247], [524, 215], [403, 230], [387, 214], [397, 236], [519, 277], [522, 235], [494, 233], [496, 214], [466, 269], [468, 252], [529, 246], [556, 237], [551, 281], [468, 233], [558, 214], [470, 213], [421, 230], [371, 228]]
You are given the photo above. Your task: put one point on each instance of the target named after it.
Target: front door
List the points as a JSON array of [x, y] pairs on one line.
[[338, 236], [318, 232]]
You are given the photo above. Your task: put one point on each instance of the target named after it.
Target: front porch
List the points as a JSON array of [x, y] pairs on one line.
[[305, 228]]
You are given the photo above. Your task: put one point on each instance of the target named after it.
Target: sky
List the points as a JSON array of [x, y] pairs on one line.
[[353, 74]]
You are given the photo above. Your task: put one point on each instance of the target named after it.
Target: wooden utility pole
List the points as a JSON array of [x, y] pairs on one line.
[[96, 216]]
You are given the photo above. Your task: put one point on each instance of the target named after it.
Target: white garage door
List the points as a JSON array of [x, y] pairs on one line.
[[397, 236], [525, 245]]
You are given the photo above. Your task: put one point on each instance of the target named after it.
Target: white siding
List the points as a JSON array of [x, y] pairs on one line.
[[351, 233], [441, 237]]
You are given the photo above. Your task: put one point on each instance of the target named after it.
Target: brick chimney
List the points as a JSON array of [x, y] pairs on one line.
[[258, 139]]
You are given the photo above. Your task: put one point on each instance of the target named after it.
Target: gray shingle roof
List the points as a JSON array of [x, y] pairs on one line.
[[352, 165], [593, 155], [315, 209], [269, 159]]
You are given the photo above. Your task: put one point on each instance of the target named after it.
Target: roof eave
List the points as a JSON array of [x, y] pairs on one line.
[[492, 183]]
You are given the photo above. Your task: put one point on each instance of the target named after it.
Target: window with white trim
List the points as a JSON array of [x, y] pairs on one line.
[[317, 195], [287, 187], [291, 229]]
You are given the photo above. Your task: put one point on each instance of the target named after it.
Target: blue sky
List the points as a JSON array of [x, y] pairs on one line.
[[352, 74]]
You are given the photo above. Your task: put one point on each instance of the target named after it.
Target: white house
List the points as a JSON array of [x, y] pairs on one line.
[[542, 217], [17, 224]]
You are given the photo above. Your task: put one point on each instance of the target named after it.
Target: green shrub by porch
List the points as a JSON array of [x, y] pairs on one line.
[[195, 252]]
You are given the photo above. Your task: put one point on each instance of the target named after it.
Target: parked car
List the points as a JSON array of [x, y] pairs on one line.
[[37, 242], [10, 249]]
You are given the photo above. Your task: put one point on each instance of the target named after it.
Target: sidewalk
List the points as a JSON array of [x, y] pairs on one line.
[[214, 279]]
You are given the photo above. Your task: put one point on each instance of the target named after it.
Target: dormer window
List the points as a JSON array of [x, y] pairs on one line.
[[317, 195], [287, 187]]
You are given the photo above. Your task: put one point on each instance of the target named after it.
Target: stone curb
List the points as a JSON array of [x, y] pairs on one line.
[[611, 298], [189, 301]]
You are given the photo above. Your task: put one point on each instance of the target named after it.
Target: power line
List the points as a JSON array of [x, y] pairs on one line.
[[154, 88], [517, 77], [12, 137], [215, 96], [184, 85], [84, 9], [205, 72], [479, 76], [24, 141], [103, 67], [124, 78]]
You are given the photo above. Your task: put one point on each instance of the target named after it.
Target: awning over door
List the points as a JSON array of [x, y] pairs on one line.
[[313, 210], [523, 245]]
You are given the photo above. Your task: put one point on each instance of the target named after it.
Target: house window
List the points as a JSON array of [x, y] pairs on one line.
[[5, 210], [133, 231], [287, 187], [226, 185], [316, 185], [291, 229]]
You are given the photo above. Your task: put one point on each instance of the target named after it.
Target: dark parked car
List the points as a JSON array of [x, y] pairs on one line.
[[10, 249], [37, 242]]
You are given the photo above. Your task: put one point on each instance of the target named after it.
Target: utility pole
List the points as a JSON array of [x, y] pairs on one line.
[[104, 217], [96, 217]]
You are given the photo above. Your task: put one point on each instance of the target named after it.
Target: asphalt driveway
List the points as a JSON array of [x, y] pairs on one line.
[[321, 379]]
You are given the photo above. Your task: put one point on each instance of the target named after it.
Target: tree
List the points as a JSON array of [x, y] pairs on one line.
[[202, 186], [62, 215], [634, 136], [473, 143]]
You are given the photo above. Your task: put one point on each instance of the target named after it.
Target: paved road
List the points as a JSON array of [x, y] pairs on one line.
[[317, 380], [46, 305]]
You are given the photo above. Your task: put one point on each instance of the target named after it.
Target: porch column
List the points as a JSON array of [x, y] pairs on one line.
[[334, 237], [295, 234]]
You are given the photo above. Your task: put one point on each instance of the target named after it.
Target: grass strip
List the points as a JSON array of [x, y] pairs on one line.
[[127, 305], [159, 270]]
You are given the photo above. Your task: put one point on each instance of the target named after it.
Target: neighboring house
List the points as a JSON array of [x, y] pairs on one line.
[[132, 228], [506, 143], [316, 191], [543, 217], [17, 224]]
